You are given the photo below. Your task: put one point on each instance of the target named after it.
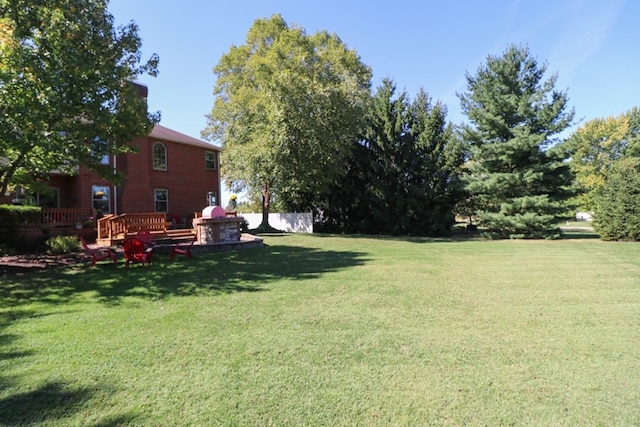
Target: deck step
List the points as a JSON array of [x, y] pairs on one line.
[[164, 237], [181, 232]]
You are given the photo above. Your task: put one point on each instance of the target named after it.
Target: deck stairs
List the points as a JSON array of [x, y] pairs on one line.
[[113, 229]]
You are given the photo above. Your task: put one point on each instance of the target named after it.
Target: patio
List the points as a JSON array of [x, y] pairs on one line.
[[111, 230]]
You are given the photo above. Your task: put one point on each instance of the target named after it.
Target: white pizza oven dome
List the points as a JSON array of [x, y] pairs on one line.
[[213, 212]]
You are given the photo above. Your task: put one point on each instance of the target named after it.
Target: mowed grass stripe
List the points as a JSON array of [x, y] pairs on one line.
[[332, 330]]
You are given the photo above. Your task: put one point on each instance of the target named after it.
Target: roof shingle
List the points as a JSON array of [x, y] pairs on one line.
[[166, 134]]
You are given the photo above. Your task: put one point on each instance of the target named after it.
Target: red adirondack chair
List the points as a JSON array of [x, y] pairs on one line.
[[98, 254], [182, 249], [146, 237], [136, 251]]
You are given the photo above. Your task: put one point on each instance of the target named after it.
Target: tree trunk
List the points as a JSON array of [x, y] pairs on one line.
[[266, 204], [7, 175]]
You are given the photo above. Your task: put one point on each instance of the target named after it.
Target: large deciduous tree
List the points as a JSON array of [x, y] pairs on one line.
[[596, 146], [519, 182], [65, 91], [287, 107], [605, 155]]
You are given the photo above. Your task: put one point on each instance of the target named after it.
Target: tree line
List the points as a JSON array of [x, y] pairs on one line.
[[302, 129]]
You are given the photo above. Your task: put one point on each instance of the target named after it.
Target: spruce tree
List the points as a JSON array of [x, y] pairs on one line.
[[618, 202], [517, 179], [402, 175]]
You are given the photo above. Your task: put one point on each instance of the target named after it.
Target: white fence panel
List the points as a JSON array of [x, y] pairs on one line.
[[291, 222]]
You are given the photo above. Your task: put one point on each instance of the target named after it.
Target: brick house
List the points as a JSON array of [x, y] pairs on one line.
[[170, 173]]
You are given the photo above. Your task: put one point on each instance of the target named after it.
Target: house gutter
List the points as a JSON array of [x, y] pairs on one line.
[[115, 188]]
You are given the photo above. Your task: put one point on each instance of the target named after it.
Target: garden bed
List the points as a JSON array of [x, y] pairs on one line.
[[23, 263]]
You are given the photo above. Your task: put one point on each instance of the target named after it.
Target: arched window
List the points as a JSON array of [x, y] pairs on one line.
[[159, 156]]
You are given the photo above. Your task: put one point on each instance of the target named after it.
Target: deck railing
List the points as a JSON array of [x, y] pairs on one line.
[[117, 226], [108, 225], [64, 217]]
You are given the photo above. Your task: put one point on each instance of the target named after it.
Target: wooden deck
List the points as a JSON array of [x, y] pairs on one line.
[[113, 229], [64, 218]]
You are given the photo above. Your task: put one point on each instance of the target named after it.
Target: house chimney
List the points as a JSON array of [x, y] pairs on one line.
[[142, 90]]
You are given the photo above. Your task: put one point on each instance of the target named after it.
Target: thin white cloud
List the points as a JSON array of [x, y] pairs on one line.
[[587, 26], [580, 28]]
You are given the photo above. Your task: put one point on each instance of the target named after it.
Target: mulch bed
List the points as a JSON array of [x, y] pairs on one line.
[[24, 263]]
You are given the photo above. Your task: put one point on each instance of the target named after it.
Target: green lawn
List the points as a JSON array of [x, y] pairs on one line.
[[336, 331]]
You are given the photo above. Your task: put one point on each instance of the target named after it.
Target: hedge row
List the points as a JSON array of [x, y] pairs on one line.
[[11, 216]]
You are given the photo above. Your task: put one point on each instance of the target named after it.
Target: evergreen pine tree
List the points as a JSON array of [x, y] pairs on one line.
[[403, 174], [433, 168], [618, 202], [519, 182]]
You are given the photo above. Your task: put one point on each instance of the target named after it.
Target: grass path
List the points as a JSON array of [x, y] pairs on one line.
[[326, 330]]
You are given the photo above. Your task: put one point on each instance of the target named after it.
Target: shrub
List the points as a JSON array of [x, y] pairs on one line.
[[6, 250], [10, 219], [63, 244]]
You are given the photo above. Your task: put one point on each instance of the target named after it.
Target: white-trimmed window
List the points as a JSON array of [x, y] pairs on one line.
[[101, 197], [161, 199], [210, 160], [159, 156]]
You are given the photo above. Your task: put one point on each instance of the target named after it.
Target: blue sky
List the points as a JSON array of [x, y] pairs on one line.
[[593, 45]]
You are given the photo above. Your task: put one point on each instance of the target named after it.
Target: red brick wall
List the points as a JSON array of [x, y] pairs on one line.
[[135, 196], [186, 179], [74, 191], [68, 190], [83, 188]]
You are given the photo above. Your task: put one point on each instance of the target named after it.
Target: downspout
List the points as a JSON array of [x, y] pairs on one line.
[[115, 188]]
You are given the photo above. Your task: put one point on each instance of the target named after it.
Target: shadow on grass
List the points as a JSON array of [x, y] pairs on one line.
[[209, 274], [49, 403], [456, 237], [5, 340], [120, 420], [580, 235], [453, 237], [52, 403]]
